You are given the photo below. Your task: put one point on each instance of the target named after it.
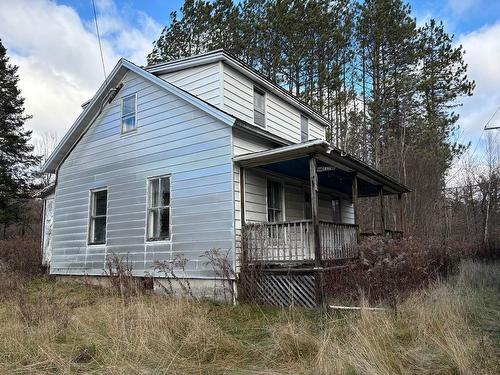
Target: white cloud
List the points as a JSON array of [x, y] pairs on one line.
[[482, 48], [58, 56], [482, 56]]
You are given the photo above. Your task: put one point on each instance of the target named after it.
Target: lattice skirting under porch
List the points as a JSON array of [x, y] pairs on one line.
[[265, 288]]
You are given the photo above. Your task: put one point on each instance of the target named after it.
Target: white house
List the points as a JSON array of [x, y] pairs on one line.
[[172, 159]]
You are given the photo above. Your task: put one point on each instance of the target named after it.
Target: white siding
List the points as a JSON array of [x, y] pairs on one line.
[[202, 81], [255, 203], [244, 143], [172, 137], [316, 130], [282, 119]]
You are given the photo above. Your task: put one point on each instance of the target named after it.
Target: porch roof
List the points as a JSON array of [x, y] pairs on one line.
[[335, 167]]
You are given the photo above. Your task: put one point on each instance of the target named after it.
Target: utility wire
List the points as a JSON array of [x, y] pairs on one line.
[[99, 39], [476, 146]]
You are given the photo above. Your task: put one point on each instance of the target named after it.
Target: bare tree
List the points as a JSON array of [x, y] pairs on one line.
[[44, 145]]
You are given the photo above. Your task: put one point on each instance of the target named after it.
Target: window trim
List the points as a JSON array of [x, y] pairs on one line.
[[282, 188], [263, 93], [308, 136], [91, 217], [146, 233], [122, 115]]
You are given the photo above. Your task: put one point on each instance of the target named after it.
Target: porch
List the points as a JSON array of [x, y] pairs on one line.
[[281, 242], [292, 242]]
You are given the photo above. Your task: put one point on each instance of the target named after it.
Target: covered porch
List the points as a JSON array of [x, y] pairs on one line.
[[326, 230]]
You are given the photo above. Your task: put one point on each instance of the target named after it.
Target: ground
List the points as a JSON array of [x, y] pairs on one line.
[[52, 327]]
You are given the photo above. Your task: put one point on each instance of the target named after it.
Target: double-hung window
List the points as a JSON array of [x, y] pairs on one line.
[[274, 201], [259, 108], [336, 211], [129, 113], [98, 216], [304, 128], [158, 208]]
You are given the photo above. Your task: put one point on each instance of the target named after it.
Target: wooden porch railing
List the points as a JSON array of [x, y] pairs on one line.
[[338, 241], [292, 241]]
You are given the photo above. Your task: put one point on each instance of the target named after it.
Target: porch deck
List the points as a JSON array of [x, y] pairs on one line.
[[293, 242]]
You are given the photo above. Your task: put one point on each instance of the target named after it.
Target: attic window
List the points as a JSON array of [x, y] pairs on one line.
[[259, 111], [129, 111]]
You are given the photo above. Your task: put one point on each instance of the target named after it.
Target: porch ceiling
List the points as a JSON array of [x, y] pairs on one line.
[[335, 168]]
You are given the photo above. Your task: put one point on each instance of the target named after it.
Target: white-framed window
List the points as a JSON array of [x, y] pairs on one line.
[[158, 226], [98, 216], [274, 201], [259, 107], [304, 128], [129, 113]]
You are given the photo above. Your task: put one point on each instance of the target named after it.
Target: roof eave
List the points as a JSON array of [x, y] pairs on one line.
[[323, 151]]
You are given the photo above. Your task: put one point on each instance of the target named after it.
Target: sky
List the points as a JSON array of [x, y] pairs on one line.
[[54, 44]]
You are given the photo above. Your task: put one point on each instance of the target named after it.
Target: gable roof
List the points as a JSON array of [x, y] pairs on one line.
[[242, 67], [94, 107]]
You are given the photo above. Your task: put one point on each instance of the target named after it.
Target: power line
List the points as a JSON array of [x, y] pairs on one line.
[[491, 118], [99, 39]]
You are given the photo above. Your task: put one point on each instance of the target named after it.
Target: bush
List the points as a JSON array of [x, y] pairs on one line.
[[21, 255], [387, 270]]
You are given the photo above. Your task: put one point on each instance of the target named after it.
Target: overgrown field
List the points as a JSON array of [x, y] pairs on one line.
[[46, 326]]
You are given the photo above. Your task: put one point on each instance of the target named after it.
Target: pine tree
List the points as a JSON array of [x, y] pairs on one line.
[[16, 158]]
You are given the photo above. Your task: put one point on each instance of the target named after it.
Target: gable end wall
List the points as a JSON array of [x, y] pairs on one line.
[[173, 137]]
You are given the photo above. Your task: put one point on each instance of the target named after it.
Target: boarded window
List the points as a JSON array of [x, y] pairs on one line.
[[159, 208], [259, 110], [98, 216], [304, 128], [274, 201], [129, 107]]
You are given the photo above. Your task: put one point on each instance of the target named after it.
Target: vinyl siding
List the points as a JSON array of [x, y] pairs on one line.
[[172, 137], [316, 130], [256, 208], [282, 118], [202, 81], [243, 143]]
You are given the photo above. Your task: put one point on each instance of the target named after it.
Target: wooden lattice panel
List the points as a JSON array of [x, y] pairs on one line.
[[284, 290]]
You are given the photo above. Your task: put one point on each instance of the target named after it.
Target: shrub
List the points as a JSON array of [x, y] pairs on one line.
[[387, 270], [21, 255]]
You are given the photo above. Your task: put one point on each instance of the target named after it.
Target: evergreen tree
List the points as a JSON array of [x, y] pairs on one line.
[[388, 87], [16, 158]]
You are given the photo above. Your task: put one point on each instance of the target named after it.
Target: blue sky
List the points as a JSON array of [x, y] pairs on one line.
[[55, 46]]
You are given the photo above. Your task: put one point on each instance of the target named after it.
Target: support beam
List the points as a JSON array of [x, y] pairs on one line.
[[313, 180], [401, 214], [354, 197], [318, 271], [243, 246], [382, 209], [242, 196]]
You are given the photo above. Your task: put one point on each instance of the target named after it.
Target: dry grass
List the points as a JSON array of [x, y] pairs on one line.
[[450, 328]]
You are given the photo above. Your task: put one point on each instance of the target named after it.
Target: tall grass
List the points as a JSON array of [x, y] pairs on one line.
[[450, 327]]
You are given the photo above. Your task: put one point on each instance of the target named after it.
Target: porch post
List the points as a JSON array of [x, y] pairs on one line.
[[318, 274], [354, 197], [401, 214], [382, 210], [244, 250]]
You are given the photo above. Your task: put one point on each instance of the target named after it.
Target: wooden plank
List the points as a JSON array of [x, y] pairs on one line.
[[382, 209], [354, 195], [401, 214], [313, 179]]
